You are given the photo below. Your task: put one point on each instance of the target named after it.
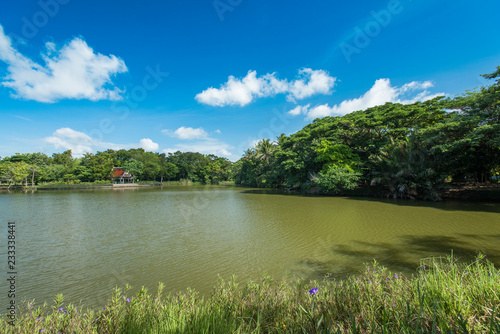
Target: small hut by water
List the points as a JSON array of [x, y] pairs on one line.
[[119, 176]]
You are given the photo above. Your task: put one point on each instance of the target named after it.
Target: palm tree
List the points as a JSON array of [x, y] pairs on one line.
[[406, 169], [264, 150]]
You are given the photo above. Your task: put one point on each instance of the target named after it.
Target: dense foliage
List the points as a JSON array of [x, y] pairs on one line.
[[396, 150], [403, 151], [33, 168]]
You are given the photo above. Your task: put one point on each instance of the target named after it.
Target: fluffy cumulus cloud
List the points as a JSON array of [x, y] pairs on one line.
[[243, 91], [208, 146], [69, 139], [187, 133], [204, 144], [299, 110], [148, 145], [74, 71], [80, 143], [380, 93]]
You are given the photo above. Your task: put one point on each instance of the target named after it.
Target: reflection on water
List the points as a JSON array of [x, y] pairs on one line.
[[83, 243]]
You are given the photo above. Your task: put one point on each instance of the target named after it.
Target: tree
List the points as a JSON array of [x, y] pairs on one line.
[[405, 169]]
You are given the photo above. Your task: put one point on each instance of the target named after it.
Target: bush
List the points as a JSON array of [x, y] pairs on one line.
[[337, 179]]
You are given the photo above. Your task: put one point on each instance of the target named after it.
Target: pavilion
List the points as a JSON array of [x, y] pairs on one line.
[[119, 176]]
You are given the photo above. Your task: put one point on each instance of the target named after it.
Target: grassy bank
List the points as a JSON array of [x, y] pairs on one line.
[[443, 296]]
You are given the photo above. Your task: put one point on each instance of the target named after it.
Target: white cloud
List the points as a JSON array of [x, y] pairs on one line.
[[244, 91], [205, 144], [80, 143], [74, 71], [313, 82], [299, 110], [148, 145], [208, 146], [380, 93], [69, 139], [187, 133]]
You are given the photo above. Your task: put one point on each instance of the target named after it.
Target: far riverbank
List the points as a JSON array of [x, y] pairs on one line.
[[489, 192]]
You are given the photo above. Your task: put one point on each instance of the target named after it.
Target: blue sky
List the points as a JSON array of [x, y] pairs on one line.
[[215, 76]]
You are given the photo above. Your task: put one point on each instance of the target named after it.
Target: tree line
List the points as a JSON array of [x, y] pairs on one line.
[[33, 168], [401, 151]]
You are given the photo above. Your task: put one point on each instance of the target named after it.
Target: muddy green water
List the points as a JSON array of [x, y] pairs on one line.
[[83, 243]]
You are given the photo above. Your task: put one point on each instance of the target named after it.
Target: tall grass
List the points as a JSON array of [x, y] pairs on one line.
[[443, 296]]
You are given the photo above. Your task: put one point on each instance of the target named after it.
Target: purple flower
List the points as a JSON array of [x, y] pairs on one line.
[[393, 304], [466, 272], [374, 271], [369, 282], [128, 300], [387, 279], [368, 268], [489, 274], [41, 330], [313, 291], [396, 276]]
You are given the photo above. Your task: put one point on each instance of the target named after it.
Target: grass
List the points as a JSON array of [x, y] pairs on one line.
[[443, 296]]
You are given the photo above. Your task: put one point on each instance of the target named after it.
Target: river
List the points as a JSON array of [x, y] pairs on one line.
[[84, 243]]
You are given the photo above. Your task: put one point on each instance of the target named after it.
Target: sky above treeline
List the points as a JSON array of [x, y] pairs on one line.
[[216, 76]]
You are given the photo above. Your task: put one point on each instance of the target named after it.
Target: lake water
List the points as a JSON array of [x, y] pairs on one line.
[[84, 243]]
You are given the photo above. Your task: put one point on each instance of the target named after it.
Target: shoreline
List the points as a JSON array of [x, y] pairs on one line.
[[487, 192]]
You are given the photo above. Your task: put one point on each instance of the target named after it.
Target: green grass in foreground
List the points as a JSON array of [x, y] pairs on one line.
[[442, 297]]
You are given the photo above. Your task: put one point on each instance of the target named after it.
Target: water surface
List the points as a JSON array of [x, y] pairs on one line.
[[83, 243]]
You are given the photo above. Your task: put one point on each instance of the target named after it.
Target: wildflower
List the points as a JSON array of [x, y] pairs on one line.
[[368, 268], [61, 309], [466, 272], [393, 304], [369, 282], [387, 279], [313, 291], [396, 276], [41, 330], [489, 274], [128, 300], [374, 271]]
